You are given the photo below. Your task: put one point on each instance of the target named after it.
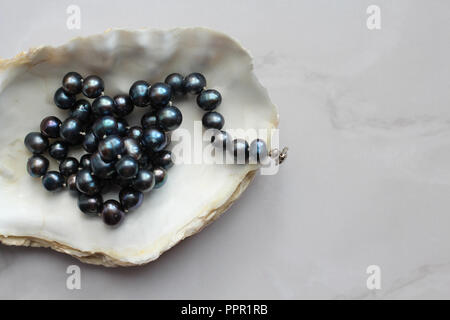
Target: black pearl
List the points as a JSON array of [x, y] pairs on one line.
[[68, 166], [87, 183], [71, 182], [213, 120], [222, 140], [240, 150], [53, 181], [58, 150], [103, 106], [160, 94], [105, 126], [163, 159], [139, 93], [81, 111], [93, 86], [37, 165], [101, 168], [135, 133], [50, 127], [63, 100], [71, 130], [110, 148], [90, 142], [144, 181], [176, 83], [85, 161], [194, 83], [169, 118], [127, 167], [72, 83], [160, 177], [209, 99], [132, 148], [144, 161], [154, 139], [149, 120], [36, 142], [258, 150], [123, 105], [112, 213], [130, 199], [90, 205], [122, 126]]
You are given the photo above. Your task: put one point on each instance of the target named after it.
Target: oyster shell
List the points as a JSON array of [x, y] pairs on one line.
[[193, 196]]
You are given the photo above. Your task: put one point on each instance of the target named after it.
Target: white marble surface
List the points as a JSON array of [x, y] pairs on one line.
[[366, 116]]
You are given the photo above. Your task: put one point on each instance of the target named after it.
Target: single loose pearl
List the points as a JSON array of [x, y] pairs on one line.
[[63, 100], [139, 93], [176, 81]]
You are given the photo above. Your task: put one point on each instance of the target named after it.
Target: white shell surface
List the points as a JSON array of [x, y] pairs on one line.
[[194, 195]]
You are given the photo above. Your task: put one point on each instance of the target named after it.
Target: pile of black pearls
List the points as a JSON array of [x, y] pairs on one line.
[[131, 157]]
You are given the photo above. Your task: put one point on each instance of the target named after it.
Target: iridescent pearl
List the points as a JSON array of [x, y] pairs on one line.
[[72, 183], [123, 105], [70, 131], [85, 161], [37, 165], [93, 86], [90, 205], [160, 177], [258, 150], [163, 159], [105, 126], [136, 133], [58, 150], [222, 140], [130, 199], [103, 106], [122, 126], [36, 142], [176, 83], [87, 183], [240, 150], [72, 83], [50, 127], [90, 142], [144, 180], [63, 100], [149, 120], [132, 148], [169, 118], [209, 99], [112, 213], [110, 148], [100, 168], [139, 93], [68, 166], [127, 167], [154, 139], [213, 120], [160, 94], [194, 83], [81, 111], [53, 181]]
